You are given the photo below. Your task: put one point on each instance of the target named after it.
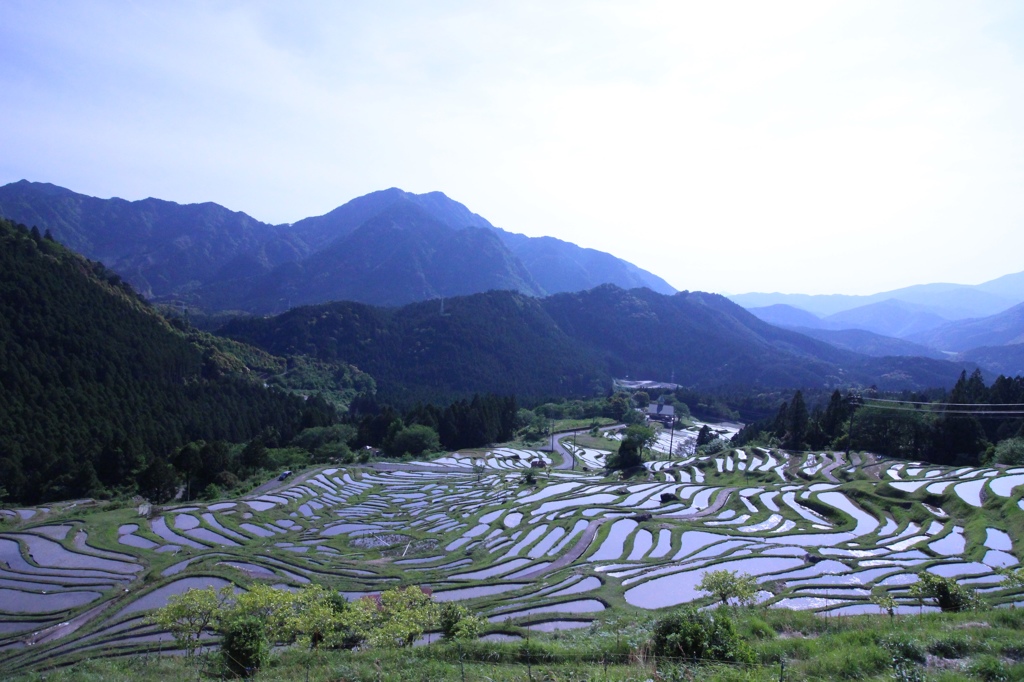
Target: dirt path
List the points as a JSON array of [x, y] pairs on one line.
[[827, 471]]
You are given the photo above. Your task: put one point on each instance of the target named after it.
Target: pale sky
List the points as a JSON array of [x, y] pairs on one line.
[[813, 147]]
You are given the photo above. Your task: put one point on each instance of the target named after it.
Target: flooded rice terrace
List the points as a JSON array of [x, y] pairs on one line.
[[818, 531]]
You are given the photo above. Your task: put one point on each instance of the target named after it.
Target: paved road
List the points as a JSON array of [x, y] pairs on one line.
[[567, 458], [275, 484]]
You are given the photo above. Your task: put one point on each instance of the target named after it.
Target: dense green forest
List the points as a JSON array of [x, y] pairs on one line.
[[970, 424], [96, 385], [101, 395]]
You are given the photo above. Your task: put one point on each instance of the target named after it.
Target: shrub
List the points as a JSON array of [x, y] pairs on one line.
[[245, 647], [211, 492], [1010, 451], [947, 593], [953, 646], [990, 669], [699, 635], [903, 648], [458, 623], [712, 448], [759, 629]]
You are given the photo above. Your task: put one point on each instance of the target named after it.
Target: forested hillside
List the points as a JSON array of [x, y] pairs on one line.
[[572, 345], [499, 342], [973, 423], [95, 386]]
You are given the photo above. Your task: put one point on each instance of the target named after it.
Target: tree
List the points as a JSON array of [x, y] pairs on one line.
[[631, 450], [245, 647], [254, 455], [189, 461], [1014, 577], [618, 406], [413, 440], [318, 618], [1010, 451], [724, 585], [273, 607], [835, 417], [946, 593], [158, 482], [458, 623], [887, 604], [796, 423], [396, 618], [705, 436], [187, 615]]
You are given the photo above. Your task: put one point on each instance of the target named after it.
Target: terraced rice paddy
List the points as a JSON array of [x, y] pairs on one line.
[[818, 531]]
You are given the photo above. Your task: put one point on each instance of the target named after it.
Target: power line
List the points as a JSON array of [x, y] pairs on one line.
[[922, 402], [976, 413]]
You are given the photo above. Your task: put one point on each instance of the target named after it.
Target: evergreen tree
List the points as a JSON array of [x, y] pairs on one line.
[[158, 482], [796, 423]]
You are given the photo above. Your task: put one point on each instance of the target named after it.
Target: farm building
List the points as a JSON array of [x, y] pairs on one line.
[[661, 413]]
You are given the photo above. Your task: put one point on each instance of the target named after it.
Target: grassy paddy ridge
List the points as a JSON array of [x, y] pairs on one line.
[[556, 559]]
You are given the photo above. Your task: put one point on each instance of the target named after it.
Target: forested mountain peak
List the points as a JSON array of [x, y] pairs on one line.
[[160, 246]]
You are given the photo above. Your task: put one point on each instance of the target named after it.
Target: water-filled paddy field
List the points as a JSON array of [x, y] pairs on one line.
[[819, 532]]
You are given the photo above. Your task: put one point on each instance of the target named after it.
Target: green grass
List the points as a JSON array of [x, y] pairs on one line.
[[986, 645], [581, 424]]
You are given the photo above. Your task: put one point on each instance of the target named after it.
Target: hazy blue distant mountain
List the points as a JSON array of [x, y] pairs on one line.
[[1006, 360], [842, 330], [560, 266], [339, 223], [555, 265], [573, 343], [388, 248], [782, 315], [889, 318], [398, 256], [870, 343], [161, 247], [997, 330], [1007, 286], [949, 301]]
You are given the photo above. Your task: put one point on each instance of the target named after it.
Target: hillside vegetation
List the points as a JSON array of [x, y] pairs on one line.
[[572, 344], [96, 386]]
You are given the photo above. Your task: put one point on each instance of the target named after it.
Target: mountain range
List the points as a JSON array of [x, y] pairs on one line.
[[947, 301], [572, 344], [386, 248], [393, 248]]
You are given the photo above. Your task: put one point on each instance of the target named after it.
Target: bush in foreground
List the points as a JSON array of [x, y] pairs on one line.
[[699, 635]]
